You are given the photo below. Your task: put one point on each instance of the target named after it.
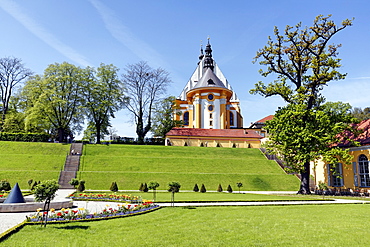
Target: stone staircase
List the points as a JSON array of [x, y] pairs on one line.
[[71, 166]]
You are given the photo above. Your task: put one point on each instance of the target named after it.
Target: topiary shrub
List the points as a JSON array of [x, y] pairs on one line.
[[219, 189], [141, 187], [74, 182], [229, 189], [5, 185], [145, 188], [81, 186], [114, 187], [203, 189], [30, 181], [196, 189]]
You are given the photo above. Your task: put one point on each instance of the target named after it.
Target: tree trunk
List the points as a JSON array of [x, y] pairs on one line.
[[305, 180], [60, 134], [98, 134]]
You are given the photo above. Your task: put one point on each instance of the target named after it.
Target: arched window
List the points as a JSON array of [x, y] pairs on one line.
[[186, 118], [231, 119], [363, 169], [335, 175]]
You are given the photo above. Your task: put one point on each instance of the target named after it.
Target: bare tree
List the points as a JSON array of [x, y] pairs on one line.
[[144, 87], [12, 72]]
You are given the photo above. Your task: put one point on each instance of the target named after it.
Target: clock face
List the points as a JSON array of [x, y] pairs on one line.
[[210, 96], [210, 108]]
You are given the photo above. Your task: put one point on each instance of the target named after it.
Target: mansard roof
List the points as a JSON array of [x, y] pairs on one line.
[[209, 79]]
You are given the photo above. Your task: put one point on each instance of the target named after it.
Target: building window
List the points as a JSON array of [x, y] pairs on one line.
[[363, 170], [186, 118], [231, 119], [210, 123], [210, 96], [210, 115], [335, 175], [210, 108]]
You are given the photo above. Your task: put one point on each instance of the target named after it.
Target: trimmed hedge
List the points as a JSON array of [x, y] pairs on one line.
[[24, 137]]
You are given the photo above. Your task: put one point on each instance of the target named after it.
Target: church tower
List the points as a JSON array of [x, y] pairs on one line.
[[208, 101]]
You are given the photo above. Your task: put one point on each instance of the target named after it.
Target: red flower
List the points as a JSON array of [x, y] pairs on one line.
[[1, 195], [45, 213], [59, 214]]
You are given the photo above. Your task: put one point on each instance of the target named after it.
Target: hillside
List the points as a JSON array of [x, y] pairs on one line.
[[21, 161], [131, 165]]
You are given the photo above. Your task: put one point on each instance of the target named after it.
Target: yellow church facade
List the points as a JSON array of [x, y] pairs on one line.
[[210, 110]]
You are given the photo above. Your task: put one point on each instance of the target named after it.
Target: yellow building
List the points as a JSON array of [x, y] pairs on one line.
[[210, 111], [354, 176]]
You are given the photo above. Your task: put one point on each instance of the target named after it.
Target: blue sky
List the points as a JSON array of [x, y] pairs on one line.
[[167, 34]]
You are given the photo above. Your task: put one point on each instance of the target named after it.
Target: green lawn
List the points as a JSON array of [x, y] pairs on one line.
[[309, 225], [21, 161], [131, 165]]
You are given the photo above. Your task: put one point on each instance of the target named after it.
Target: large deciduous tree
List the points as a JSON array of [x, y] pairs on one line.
[[303, 61], [103, 95], [12, 73], [55, 98], [163, 120], [144, 87]]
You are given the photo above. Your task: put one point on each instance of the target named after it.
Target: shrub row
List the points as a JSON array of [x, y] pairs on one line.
[[203, 188], [24, 137]]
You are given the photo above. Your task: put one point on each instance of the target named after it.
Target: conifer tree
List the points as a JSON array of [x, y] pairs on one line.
[[196, 189]]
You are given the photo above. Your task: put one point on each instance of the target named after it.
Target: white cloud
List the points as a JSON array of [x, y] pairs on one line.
[[124, 35], [39, 31]]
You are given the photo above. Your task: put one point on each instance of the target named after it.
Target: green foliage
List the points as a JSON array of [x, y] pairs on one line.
[[103, 96], [203, 189], [145, 188], [219, 188], [24, 137], [45, 190], [174, 187], [74, 182], [33, 185], [239, 185], [196, 189], [114, 187], [360, 114], [81, 186], [55, 99], [30, 182], [5, 185], [153, 185], [163, 117], [141, 187], [322, 185], [229, 189]]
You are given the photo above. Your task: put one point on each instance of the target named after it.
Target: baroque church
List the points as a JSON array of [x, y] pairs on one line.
[[210, 110]]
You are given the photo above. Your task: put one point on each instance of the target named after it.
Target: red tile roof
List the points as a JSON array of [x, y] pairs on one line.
[[363, 138], [228, 133], [263, 120]]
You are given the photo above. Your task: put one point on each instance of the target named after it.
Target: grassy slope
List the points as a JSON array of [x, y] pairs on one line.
[[21, 161], [309, 225], [130, 165]]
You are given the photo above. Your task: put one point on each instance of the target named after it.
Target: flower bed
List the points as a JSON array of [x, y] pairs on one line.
[[105, 197], [83, 214]]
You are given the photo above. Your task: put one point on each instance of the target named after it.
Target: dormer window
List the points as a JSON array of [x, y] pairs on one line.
[[211, 82]]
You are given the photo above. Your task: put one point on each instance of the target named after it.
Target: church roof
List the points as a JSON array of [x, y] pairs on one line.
[[226, 133], [209, 79]]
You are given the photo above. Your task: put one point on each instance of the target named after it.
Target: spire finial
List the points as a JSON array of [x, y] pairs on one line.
[[208, 61], [201, 51]]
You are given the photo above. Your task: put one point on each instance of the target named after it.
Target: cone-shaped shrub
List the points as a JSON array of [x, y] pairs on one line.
[[219, 189], [81, 186], [145, 188], [114, 187], [141, 187], [196, 189], [229, 189], [203, 189]]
